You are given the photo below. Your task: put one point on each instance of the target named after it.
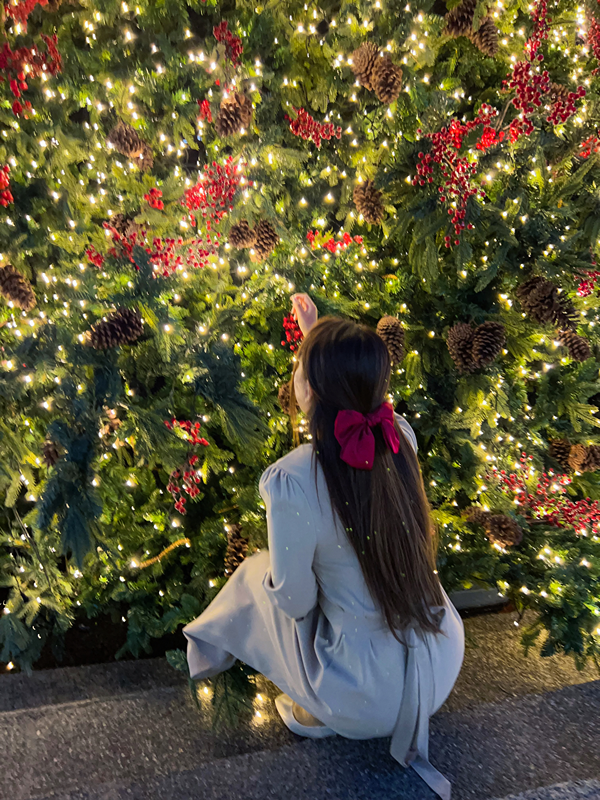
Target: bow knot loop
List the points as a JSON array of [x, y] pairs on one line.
[[353, 431]]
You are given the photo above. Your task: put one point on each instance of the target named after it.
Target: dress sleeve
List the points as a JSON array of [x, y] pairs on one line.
[[290, 582], [407, 431]]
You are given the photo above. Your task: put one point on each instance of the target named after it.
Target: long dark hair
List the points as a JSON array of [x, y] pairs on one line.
[[384, 511]]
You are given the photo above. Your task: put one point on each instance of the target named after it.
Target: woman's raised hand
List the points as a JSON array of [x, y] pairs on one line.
[[305, 312]]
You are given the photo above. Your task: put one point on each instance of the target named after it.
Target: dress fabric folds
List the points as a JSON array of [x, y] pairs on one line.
[[301, 614]]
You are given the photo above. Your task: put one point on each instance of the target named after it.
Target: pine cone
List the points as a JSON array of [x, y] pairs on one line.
[[544, 302], [237, 547], [559, 92], [145, 160], [241, 235], [503, 530], [541, 300], [234, 114], [593, 457], [122, 327], [363, 61], [560, 450], [584, 459], [284, 397], [125, 140], [590, 463], [123, 225], [578, 457], [488, 341], [367, 199], [391, 331], [246, 108], [476, 515], [120, 223], [266, 239], [460, 19], [386, 80], [485, 38], [526, 288], [460, 346], [579, 348], [15, 288], [50, 454]]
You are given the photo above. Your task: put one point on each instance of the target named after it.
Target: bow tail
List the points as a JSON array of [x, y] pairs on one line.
[[410, 740]]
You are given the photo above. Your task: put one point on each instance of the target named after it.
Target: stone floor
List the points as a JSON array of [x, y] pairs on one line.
[[130, 731]]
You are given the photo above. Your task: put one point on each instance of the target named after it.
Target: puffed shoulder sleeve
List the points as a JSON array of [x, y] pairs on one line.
[[290, 581], [407, 431]]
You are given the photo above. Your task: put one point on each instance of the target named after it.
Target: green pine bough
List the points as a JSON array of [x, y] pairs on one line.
[[384, 158]]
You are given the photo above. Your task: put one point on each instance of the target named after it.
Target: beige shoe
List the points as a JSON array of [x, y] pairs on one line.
[[285, 706]]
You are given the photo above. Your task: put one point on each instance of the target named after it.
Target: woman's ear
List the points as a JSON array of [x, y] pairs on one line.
[[302, 389]]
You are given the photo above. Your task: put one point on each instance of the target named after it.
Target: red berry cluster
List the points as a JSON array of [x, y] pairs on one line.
[[16, 63], [589, 146], [153, 199], [308, 128], [190, 430], [588, 284], [541, 22], [531, 86], [200, 250], [214, 192], [166, 255], [205, 112], [21, 11], [6, 197], [184, 481], [563, 109], [293, 334], [549, 500], [170, 255], [458, 171], [593, 40], [233, 43], [331, 244], [94, 257], [123, 245], [489, 138]]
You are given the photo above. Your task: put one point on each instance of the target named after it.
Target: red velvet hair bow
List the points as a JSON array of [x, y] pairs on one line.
[[353, 431]]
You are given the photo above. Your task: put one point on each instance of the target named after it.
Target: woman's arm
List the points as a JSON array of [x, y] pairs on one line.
[[305, 312], [290, 582]]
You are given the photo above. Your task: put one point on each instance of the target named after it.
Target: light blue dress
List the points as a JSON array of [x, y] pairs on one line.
[[301, 614]]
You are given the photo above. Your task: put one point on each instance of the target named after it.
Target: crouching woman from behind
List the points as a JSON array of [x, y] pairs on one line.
[[345, 612]]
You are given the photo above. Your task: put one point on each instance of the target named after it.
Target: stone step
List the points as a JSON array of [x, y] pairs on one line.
[[71, 684], [154, 744], [84, 743]]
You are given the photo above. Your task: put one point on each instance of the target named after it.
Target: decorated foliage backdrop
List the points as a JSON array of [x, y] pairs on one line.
[[172, 172]]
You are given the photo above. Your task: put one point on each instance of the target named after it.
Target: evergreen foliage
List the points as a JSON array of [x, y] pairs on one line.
[[121, 195]]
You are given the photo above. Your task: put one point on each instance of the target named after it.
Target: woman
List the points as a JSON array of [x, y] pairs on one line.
[[345, 613]]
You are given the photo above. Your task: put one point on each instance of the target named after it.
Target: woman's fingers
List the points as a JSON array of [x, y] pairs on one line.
[[305, 311], [300, 300]]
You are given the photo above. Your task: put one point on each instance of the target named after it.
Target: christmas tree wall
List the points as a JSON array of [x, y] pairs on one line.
[[173, 172]]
